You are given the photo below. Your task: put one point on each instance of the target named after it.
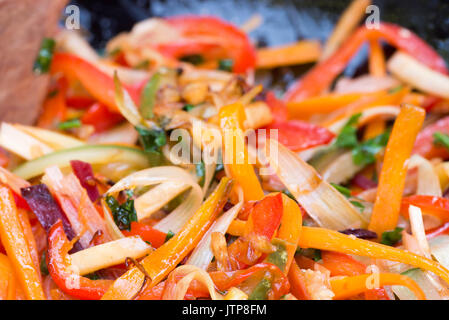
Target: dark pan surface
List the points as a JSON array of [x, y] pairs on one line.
[[284, 21]]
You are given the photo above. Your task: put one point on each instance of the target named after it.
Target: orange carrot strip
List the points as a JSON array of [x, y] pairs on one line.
[[392, 177], [7, 279], [325, 104], [374, 128], [163, 260], [377, 66], [54, 110], [347, 23], [350, 286], [29, 237], [296, 53], [14, 241], [235, 153], [290, 228], [325, 239]]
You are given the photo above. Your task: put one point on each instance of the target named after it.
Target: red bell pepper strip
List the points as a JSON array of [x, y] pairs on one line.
[[444, 229], [210, 36], [299, 135], [340, 264], [226, 280], [278, 107], [433, 205], [424, 145], [100, 117], [96, 82], [79, 102], [147, 233], [59, 267], [263, 221], [85, 174], [321, 77]]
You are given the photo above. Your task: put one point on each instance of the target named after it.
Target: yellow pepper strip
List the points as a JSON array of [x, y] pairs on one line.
[[348, 287], [163, 260], [14, 241], [235, 153], [7, 279], [290, 229], [377, 65], [237, 228], [296, 53], [325, 239], [392, 177]]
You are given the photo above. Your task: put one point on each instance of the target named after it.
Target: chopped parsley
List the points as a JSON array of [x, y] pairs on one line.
[[123, 214], [225, 65], [365, 152], [187, 107], [170, 234], [441, 139], [194, 59], [152, 140], [390, 238], [43, 60], [348, 134]]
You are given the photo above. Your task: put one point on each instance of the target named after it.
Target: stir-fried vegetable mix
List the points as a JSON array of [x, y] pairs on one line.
[[163, 170]]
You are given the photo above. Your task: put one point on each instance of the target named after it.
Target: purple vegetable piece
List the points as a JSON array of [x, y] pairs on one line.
[[85, 175], [47, 210], [360, 233]]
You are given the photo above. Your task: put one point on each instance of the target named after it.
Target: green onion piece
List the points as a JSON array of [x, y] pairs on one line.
[[148, 97], [187, 107], [43, 60], [69, 124], [343, 190]]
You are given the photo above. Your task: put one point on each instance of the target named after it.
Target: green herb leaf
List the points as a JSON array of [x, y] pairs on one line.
[[441, 139], [348, 134], [170, 234], [317, 255], [43, 264], [358, 205], [152, 139], [343, 190], [260, 292], [226, 64], [365, 153], [187, 107], [148, 97], [123, 214], [43, 60], [194, 59], [390, 238], [69, 124]]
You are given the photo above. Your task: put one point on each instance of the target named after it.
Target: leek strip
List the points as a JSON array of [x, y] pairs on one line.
[[109, 254], [428, 181], [178, 217], [157, 197], [341, 169], [327, 206], [53, 139], [21, 143], [418, 75], [202, 255], [94, 154]]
